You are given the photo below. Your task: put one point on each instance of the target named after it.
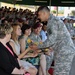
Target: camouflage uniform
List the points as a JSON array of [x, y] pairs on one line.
[[49, 58], [68, 26], [63, 46]]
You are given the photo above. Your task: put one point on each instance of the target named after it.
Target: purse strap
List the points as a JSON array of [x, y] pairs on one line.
[[10, 50]]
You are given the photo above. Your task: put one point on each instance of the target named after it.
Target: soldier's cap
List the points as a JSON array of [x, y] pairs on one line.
[[36, 25]]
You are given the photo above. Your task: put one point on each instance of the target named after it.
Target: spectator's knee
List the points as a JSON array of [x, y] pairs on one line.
[[42, 56], [34, 71]]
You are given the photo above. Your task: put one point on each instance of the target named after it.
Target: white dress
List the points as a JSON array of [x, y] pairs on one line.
[[24, 63]]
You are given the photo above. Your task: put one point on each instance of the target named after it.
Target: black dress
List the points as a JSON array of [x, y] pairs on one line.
[[7, 61]]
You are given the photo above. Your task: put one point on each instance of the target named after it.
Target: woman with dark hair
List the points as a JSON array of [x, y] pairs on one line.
[[25, 42], [14, 42]]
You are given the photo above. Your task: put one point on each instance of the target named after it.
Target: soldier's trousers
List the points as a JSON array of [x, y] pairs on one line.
[[72, 71], [64, 65]]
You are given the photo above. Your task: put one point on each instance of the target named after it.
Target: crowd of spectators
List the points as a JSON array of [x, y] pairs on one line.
[[12, 16], [20, 18]]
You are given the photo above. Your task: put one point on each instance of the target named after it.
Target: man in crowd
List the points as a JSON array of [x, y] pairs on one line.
[[61, 42]]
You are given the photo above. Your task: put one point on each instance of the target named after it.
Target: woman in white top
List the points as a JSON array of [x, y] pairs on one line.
[[16, 47]]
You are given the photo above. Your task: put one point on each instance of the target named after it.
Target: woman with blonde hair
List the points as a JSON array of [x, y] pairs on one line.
[[16, 47]]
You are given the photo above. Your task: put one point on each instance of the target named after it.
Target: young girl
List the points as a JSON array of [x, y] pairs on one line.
[[16, 47]]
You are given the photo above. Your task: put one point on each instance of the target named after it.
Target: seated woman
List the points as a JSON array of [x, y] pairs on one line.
[[46, 55], [16, 47], [25, 42], [9, 64]]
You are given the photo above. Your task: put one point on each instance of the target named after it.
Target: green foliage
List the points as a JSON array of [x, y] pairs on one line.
[[54, 11], [73, 12]]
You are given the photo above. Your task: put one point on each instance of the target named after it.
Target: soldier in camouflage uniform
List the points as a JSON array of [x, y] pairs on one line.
[[60, 40]]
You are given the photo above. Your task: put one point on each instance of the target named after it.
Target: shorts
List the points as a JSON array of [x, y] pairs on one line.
[[26, 64]]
